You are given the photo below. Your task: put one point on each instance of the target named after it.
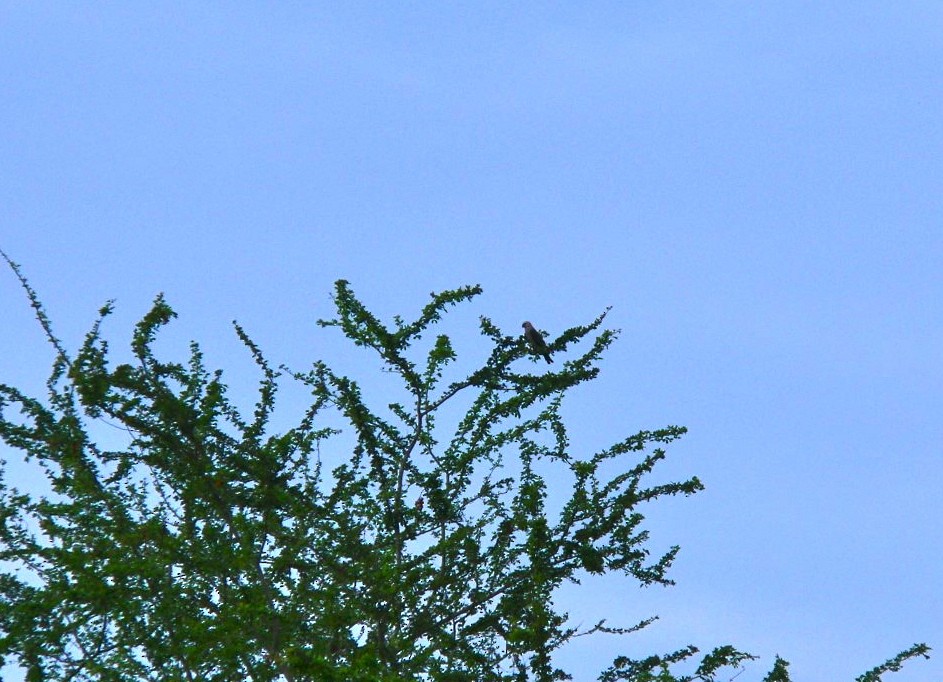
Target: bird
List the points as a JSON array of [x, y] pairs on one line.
[[420, 503], [536, 341]]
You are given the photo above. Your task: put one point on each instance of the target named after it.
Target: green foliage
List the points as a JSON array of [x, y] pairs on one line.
[[894, 664], [210, 547], [779, 673]]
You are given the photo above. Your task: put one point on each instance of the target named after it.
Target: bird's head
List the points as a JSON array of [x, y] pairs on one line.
[[526, 325]]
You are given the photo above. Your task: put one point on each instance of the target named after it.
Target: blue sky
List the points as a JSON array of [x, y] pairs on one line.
[[755, 187]]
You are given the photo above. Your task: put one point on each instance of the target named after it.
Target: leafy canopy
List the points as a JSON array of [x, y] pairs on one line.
[[208, 547]]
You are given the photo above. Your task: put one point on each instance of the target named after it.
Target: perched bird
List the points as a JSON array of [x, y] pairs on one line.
[[536, 341], [420, 503]]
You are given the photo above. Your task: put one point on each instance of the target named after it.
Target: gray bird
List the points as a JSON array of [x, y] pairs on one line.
[[536, 341]]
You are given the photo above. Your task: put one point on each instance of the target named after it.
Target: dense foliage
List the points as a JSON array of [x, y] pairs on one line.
[[208, 547]]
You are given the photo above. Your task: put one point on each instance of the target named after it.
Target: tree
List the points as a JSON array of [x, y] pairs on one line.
[[210, 548]]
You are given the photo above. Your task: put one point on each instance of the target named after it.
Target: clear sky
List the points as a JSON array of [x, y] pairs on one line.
[[755, 187]]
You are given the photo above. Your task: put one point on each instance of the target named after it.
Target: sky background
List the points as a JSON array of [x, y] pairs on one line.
[[755, 187]]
